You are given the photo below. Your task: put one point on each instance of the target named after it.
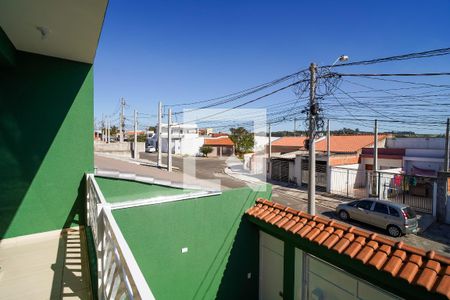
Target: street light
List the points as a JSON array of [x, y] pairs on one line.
[[341, 58]]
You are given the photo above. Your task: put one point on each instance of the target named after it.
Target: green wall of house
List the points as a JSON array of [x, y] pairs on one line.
[[222, 246], [46, 142]]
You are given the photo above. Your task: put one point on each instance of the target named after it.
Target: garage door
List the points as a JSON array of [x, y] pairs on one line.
[[280, 170]]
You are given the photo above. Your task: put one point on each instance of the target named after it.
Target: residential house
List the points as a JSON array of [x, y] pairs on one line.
[[134, 237], [221, 146], [288, 144], [185, 139], [344, 150]]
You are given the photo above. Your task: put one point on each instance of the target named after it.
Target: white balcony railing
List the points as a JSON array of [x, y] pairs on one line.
[[119, 276]]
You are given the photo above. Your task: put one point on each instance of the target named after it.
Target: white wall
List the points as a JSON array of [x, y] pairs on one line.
[[298, 169], [331, 283], [185, 146], [436, 153], [416, 143], [316, 277], [261, 142], [292, 171], [383, 163], [271, 266]]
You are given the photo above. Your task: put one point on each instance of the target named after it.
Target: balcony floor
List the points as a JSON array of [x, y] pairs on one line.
[[51, 265]]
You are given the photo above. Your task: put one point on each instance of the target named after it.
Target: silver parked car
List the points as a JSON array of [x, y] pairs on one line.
[[396, 218]]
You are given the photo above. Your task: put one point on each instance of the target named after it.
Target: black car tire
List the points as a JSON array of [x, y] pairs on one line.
[[394, 231], [343, 215]]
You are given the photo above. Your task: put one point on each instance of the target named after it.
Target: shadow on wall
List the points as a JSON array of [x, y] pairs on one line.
[[46, 124], [241, 263], [240, 278]]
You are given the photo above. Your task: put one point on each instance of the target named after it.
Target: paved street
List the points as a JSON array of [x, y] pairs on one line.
[[437, 237]]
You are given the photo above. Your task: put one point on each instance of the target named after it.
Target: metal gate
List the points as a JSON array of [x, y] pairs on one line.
[[280, 170], [321, 174], [414, 191], [348, 182]]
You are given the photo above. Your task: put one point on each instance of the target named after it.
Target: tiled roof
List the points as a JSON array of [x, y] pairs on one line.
[[290, 141], [221, 141], [347, 143], [219, 134], [427, 269]]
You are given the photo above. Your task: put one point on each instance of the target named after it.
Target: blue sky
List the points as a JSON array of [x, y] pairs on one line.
[[178, 51]]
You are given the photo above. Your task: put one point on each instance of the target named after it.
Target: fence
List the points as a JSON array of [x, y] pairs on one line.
[[350, 183], [415, 191], [119, 276]]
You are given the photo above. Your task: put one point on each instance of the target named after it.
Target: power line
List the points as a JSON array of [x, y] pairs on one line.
[[414, 55], [388, 74], [245, 103], [244, 92]]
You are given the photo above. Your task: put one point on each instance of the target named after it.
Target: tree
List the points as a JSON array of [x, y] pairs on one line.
[[113, 131], [243, 140], [142, 137], [205, 150]]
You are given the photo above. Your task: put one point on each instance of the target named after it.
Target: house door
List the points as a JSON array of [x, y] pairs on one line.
[[270, 267]]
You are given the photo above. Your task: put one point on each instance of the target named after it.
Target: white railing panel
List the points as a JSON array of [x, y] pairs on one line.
[[119, 276]]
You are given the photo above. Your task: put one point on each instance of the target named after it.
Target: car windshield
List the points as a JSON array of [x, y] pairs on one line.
[[409, 212]]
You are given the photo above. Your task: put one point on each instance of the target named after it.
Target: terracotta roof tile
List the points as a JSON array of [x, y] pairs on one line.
[[324, 235], [290, 141], [443, 286], [219, 141], [284, 220], [416, 266], [307, 228], [347, 143], [333, 239]]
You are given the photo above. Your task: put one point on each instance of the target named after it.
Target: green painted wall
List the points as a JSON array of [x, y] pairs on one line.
[[46, 143], [223, 246], [116, 190]]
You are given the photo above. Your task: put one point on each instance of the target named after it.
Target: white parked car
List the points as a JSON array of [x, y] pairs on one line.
[[150, 149]]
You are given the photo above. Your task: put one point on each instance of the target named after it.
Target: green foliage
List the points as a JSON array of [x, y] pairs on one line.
[[113, 131], [205, 150], [242, 139], [141, 137]]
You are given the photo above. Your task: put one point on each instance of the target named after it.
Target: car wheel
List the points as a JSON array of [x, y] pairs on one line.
[[343, 215], [394, 231]]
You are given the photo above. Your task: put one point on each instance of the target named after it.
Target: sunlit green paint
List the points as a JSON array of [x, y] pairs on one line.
[[116, 190], [222, 257], [46, 143]]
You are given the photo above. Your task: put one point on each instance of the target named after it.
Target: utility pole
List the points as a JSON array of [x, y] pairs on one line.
[[328, 157], [169, 140], [375, 158], [295, 126], [107, 130], [328, 142], [103, 128], [159, 133], [270, 141], [122, 106], [135, 150], [312, 145], [446, 158]]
